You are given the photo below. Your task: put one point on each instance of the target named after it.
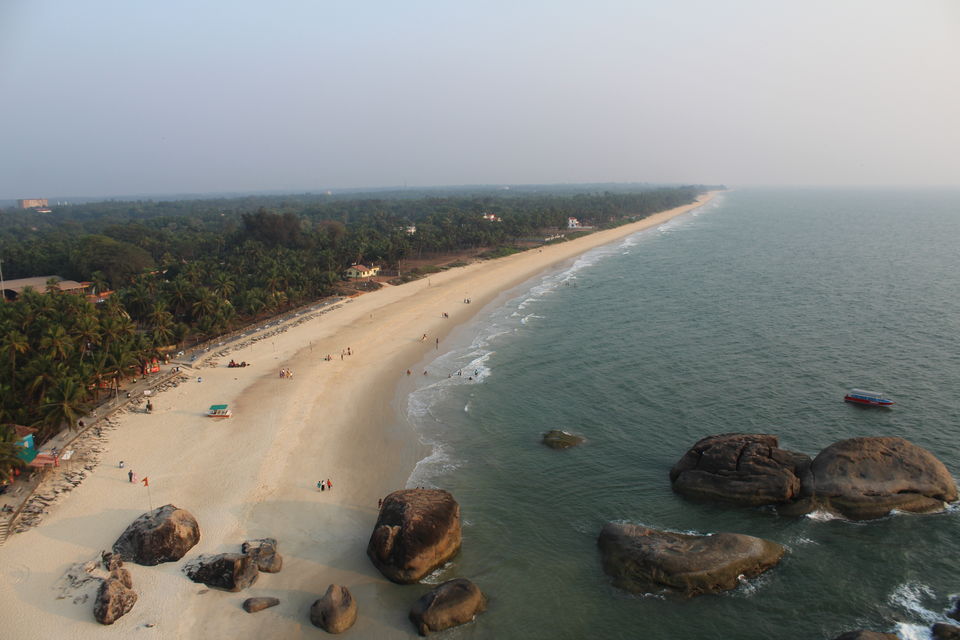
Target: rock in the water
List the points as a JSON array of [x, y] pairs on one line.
[[453, 603], [864, 478], [867, 635], [252, 605], [556, 439], [229, 571], [941, 631], [643, 560], [955, 613], [336, 611], [264, 553], [745, 468], [417, 531], [162, 535], [114, 599]]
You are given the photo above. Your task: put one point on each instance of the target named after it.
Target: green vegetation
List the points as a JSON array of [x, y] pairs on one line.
[[186, 271]]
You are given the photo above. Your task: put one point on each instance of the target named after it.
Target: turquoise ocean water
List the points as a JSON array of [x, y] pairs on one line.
[[754, 313]]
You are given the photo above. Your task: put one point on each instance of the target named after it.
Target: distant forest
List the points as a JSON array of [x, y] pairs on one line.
[[194, 269]]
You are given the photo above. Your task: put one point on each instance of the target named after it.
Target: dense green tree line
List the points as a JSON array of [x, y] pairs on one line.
[[196, 269]]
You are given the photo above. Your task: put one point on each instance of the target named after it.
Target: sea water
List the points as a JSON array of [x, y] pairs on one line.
[[754, 313]]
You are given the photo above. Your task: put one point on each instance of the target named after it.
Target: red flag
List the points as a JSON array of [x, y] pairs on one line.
[[146, 481]]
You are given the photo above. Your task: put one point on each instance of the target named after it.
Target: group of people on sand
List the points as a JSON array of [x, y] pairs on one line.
[[286, 373], [234, 364], [325, 485], [343, 353]]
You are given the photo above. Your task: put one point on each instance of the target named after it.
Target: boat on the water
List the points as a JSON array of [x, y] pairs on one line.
[[868, 398]]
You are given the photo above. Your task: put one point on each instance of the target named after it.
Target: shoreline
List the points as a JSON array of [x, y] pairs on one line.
[[254, 475]]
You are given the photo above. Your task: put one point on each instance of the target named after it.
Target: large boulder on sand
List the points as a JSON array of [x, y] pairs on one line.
[[264, 553], [745, 468], [417, 531], [162, 535], [453, 603], [864, 478], [643, 560], [336, 611], [228, 571], [252, 605], [114, 599]]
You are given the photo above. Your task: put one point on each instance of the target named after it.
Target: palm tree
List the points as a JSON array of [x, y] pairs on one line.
[[223, 284], [57, 342], [87, 332], [65, 402], [99, 281], [9, 452], [13, 343], [205, 304]]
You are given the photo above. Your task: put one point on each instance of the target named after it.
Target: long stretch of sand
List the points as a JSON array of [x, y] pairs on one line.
[[255, 475]]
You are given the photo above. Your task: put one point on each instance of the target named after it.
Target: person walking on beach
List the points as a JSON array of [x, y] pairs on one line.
[[438, 343], [329, 484], [320, 485], [130, 475]]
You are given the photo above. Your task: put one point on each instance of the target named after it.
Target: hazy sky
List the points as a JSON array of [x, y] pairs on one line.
[[102, 97]]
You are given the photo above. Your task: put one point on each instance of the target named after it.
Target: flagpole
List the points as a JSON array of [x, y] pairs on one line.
[[149, 497]]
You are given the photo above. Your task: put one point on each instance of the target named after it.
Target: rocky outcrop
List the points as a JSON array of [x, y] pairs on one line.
[[162, 535], [264, 553], [859, 478], [556, 439], [941, 631], [744, 468], [865, 478], [114, 599], [336, 611], [228, 571], [453, 603], [643, 560], [867, 635], [417, 531], [252, 605]]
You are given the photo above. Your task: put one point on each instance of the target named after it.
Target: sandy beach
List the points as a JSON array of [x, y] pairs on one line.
[[254, 475]]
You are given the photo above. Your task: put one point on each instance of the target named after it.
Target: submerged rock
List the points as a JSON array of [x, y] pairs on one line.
[[557, 439], [453, 603], [417, 531], [865, 478], [228, 571], [162, 535], [744, 468], [643, 560], [867, 635], [336, 611]]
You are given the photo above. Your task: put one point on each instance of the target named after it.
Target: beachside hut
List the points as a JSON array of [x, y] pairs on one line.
[[27, 448], [219, 411], [362, 271]]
